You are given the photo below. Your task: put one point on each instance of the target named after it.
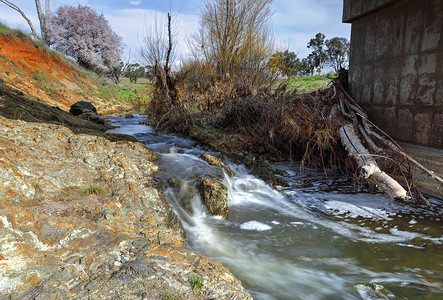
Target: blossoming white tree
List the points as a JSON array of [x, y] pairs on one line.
[[85, 35]]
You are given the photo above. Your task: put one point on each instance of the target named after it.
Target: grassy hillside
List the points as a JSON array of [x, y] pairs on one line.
[[50, 77]]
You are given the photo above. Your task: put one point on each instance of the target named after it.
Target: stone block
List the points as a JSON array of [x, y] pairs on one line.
[[370, 40], [396, 34], [422, 128], [426, 90], [409, 79], [355, 75], [366, 85], [390, 117], [392, 89], [432, 25], [410, 65], [439, 93], [427, 63], [438, 101], [382, 41], [426, 79], [366, 95], [358, 34], [414, 28], [404, 125], [375, 114], [408, 89], [437, 131], [379, 87], [392, 92]]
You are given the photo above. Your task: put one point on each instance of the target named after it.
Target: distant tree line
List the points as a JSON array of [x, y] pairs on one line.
[[333, 53]]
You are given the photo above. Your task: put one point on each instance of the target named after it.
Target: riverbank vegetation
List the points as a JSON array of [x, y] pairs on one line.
[[238, 92], [232, 97]]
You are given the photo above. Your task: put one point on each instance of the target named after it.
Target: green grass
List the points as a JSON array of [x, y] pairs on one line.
[[212, 136], [93, 189], [138, 96], [196, 284], [307, 84], [140, 81], [169, 296], [40, 77], [6, 29]]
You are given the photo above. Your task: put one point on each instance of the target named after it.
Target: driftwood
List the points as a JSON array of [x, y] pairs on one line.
[[368, 165], [357, 125]]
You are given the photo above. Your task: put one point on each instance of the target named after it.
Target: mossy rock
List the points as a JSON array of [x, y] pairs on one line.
[[214, 195], [262, 168], [214, 161]]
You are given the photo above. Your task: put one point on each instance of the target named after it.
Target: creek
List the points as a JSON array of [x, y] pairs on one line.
[[317, 239]]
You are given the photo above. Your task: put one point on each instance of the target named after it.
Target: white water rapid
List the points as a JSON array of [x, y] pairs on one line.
[[314, 240]]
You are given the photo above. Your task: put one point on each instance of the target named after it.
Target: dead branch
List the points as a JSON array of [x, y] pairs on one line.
[[397, 149], [364, 158], [369, 167], [17, 9]]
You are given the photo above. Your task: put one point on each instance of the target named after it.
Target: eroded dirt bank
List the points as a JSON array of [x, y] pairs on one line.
[[80, 218]]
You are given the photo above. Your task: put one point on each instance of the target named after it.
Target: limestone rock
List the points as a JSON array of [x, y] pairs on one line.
[[214, 161], [59, 241], [214, 194]]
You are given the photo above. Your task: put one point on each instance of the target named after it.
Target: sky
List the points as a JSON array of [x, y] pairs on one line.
[[293, 23]]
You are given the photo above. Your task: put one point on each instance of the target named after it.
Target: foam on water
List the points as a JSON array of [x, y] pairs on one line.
[[255, 225], [299, 243]]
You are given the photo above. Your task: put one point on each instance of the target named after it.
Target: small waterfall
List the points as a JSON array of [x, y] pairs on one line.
[[314, 240]]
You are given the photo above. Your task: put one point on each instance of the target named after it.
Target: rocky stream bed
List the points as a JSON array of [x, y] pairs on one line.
[[80, 218]]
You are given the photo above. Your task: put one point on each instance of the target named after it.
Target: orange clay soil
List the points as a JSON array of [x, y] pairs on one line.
[[35, 71]]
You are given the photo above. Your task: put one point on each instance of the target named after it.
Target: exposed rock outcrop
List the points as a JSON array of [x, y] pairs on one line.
[[214, 195], [214, 161], [262, 168], [80, 219]]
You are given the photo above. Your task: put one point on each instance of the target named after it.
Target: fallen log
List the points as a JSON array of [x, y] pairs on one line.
[[369, 168], [349, 135]]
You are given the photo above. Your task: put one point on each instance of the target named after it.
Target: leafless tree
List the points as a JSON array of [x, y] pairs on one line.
[[234, 38], [118, 71], [158, 50], [44, 18]]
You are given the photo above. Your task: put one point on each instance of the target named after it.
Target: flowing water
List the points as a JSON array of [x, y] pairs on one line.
[[314, 240]]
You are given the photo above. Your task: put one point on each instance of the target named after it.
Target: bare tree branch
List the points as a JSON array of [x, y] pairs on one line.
[[16, 8]]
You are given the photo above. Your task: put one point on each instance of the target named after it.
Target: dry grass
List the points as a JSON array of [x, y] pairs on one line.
[[281, 123]]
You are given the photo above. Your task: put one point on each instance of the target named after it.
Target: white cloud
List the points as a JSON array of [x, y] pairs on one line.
[[135, 2]]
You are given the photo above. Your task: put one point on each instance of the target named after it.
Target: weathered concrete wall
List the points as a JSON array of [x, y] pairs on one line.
[[396, 66], [353, 9]]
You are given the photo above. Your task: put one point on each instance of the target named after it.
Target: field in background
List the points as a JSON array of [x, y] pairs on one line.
[[307, 84]]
